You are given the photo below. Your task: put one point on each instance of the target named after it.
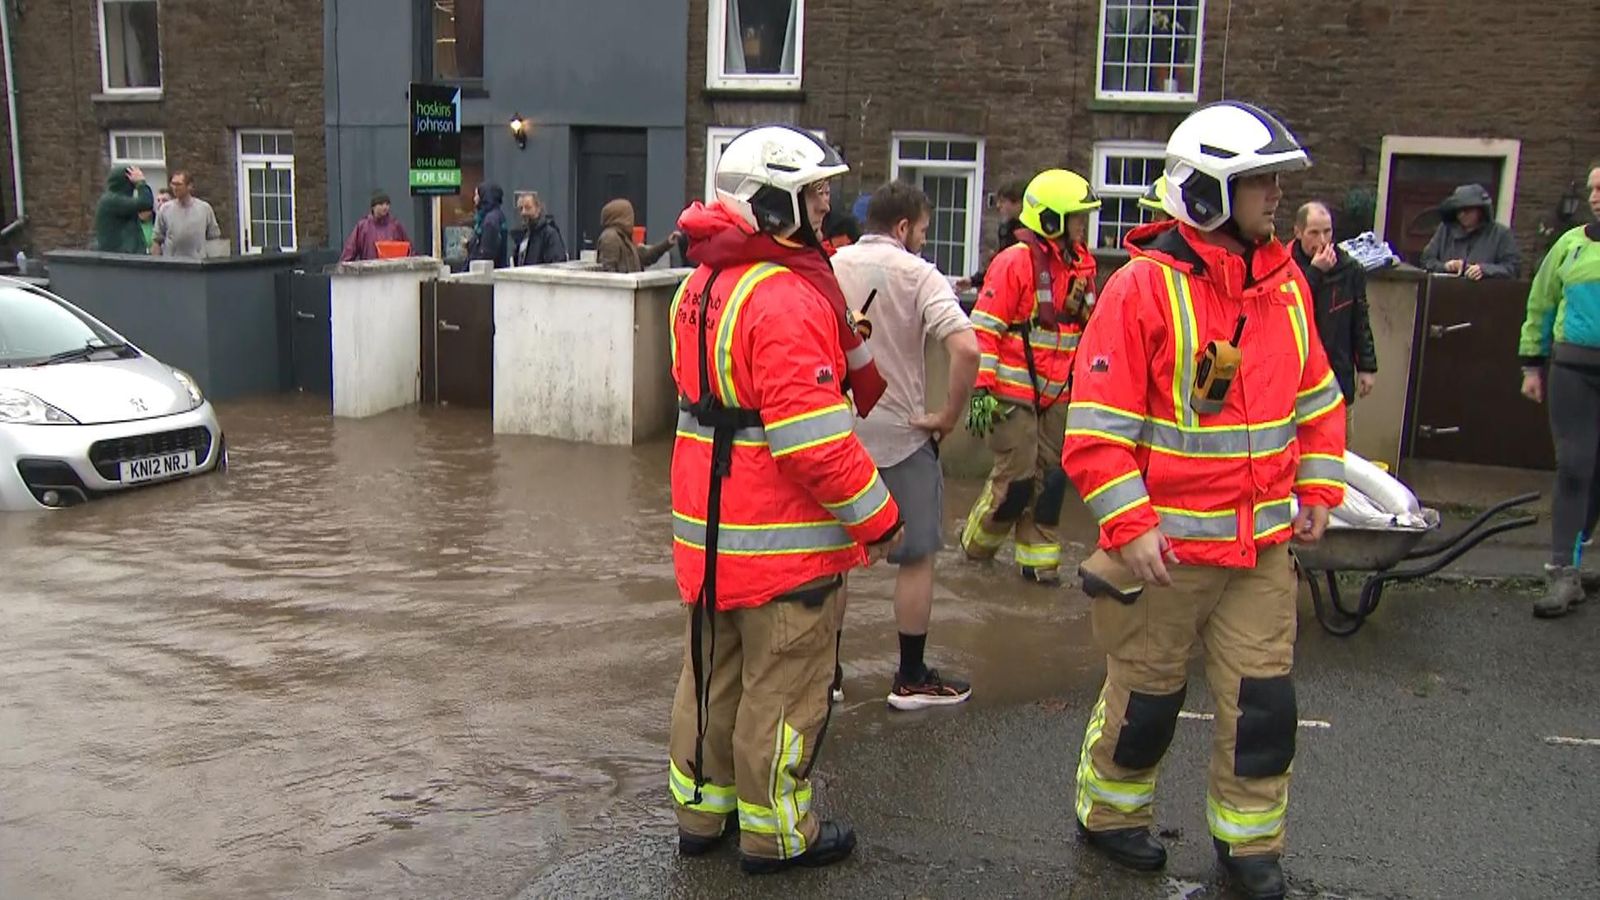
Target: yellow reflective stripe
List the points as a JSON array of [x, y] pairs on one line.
[[672, 320], [690, 428], [1043, 339], [988, 322], [1257, 440], [1272, 517], [1232, 826], [730, 321], [763, 539], [1039, 556], [973, 535], [716, 799], [1318, 401], [987, 363], [1320, 468], [1117, 496], [864, 505], [759, 819], [1123, 796], [784, 792], [811, 429], [1199, 525], [1297, 322]]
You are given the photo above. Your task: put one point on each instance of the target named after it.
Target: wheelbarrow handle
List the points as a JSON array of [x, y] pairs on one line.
[[1433, 548], [1455, 548]]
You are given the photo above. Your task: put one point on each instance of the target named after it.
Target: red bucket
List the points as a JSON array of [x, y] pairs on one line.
[[638, 234], [393, 249]]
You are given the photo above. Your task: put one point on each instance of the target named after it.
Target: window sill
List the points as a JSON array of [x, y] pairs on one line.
[[471, 88], [755, 94], [1150, 105], [152, 95]]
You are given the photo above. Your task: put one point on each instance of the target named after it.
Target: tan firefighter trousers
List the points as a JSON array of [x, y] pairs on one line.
[[771, 668], [1025, 489], [1245, 621]]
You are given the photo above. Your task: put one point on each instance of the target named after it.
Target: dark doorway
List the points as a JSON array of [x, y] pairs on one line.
[[1418, 184], [611, 163], [308, 299]]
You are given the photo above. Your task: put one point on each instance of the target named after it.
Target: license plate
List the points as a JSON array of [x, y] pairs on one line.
[[154, 468]]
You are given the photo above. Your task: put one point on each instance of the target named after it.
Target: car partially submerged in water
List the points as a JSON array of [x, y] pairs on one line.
[[83, 412]]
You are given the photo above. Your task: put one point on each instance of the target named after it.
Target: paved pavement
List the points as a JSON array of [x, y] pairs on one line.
[[1432, 778]]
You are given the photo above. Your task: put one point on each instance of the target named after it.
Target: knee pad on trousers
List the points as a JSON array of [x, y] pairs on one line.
[[1147, 733], [1018, 493], [1047, 511], [1264, 738]]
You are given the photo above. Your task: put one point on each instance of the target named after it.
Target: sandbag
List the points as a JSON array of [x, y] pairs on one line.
[[1382, 488]]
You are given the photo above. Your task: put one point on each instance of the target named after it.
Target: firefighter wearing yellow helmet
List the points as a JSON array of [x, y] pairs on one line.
[[1036, 298], [1155, 200]]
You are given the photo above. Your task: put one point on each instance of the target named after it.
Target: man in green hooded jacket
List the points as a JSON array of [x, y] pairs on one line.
[[116, 219]]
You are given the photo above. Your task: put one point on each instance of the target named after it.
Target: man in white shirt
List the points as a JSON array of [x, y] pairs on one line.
[[185, 223], [908, 302]]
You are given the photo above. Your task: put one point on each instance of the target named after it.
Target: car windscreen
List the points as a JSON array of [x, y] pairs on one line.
[[35, 326]]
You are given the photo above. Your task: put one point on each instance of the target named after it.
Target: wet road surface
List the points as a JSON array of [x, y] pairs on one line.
[[402, 657]]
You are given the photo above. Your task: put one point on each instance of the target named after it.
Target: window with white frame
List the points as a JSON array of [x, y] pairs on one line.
[[1150, 49], [717, 139], [266, 191], [755, 44], [145, 149], [1122, 173], [130, 46], [949, 169]]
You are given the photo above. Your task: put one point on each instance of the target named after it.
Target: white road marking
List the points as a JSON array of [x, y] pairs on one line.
[[1209, 717], [1558, 741]]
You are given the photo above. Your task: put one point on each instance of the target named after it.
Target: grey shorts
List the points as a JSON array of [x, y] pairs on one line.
[[917, 485]]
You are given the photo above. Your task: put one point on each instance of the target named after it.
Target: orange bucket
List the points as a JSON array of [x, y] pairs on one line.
[[393, 249], [638, 234]]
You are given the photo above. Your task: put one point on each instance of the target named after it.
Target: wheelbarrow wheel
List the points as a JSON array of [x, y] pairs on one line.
[[1333, 618]]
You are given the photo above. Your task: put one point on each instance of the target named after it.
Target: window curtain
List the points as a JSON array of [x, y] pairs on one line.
[[733, 60]]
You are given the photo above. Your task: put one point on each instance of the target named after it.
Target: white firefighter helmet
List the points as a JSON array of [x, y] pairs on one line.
[[1217, 144], [763, 170]]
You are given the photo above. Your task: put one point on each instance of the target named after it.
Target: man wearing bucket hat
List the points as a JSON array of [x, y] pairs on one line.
[[1036, 296], [375, 227], [1202, 403]]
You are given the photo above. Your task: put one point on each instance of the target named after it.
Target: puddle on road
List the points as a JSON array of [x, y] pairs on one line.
[[386, 656]]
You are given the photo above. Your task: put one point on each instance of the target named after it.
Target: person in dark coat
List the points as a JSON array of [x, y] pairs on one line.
[[615, 250], [488, 239], [1469, 241], [538, 242], [117, 228], [1339, 297]]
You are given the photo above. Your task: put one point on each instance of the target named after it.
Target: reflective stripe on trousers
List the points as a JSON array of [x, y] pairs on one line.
[[1232, 826], [1124, 796], [714, 798]]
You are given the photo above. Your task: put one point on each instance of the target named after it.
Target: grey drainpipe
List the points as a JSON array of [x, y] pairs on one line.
[[11, 109]]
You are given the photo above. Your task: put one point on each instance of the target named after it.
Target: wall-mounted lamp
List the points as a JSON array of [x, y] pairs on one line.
[[519, 130], [1567, 206]]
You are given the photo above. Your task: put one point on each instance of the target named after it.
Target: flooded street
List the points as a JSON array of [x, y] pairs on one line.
[[398, 657]]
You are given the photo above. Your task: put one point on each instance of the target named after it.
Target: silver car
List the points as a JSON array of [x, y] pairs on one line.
[[83, 412]]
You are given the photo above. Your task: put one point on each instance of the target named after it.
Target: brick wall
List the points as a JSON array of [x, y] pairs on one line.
[[1022, 75], [243, 64]]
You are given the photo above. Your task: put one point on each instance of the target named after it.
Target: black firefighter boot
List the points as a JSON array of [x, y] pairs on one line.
[[1254, 877], [834, 843], [690, 844], [1131, 848]]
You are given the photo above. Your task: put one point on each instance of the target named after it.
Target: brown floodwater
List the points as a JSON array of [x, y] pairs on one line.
[[397, 657]]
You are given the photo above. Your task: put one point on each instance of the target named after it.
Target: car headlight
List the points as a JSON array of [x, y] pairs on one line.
[[21, 408], [189, 384]]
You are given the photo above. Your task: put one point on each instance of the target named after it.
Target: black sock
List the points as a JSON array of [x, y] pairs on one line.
[[911, 668]]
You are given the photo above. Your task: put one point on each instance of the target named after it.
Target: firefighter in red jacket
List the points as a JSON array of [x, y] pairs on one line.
[[773, 500], [1202, 408], [1036, 296]]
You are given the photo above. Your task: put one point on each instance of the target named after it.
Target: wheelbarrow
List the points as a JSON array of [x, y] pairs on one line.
[[1380, 552]]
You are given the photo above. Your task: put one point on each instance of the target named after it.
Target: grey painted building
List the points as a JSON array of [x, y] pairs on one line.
[[601, 83]]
